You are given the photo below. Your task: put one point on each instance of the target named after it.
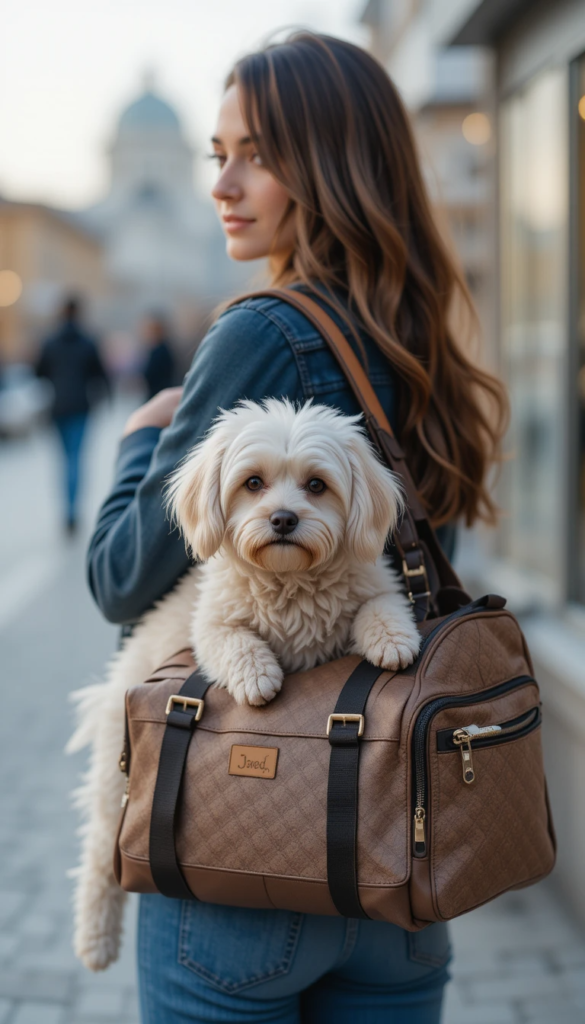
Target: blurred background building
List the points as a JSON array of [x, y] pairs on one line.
[[43, 253], [152, 244], [497, 91], [163, 245]]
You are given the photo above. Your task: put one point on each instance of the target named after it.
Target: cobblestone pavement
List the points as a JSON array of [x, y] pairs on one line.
[[517, 961], [520, 960]]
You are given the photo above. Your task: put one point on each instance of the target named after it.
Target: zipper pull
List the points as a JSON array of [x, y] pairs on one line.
[[479, 733], [419, 830], [462, 739], [123, 761]]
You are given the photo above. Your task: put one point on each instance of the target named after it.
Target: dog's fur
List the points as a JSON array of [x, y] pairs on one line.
[[260, 607]]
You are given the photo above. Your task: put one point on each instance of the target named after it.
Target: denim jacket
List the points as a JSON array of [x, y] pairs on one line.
[[260, 348]]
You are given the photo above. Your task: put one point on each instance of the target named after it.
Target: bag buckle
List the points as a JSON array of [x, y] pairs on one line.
[[186, 702], [346, 718], [420, 571]]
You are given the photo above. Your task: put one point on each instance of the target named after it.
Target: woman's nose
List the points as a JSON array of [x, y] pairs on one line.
[[227, 187], [283, 521]]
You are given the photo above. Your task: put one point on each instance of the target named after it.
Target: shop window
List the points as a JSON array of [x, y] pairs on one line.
[[534, 193]]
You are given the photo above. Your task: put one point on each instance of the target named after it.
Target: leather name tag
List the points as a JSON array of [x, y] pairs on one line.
[[257, 762]]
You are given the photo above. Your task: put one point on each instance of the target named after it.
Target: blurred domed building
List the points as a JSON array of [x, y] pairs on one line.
[[164, 247]]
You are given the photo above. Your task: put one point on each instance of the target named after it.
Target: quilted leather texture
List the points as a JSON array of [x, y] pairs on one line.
[[221, 813], [483, 839], [493, 834], [473, 654]]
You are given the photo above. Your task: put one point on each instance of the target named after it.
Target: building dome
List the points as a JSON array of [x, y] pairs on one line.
[[147, 113]]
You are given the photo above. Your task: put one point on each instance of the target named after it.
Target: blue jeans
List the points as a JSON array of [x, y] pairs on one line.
[[208, 963], [71, 430]]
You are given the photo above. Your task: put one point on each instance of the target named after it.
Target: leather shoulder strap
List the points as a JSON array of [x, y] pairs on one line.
[[425, 568]]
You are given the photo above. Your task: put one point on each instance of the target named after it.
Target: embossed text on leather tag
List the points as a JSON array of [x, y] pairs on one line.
[[258, 762]]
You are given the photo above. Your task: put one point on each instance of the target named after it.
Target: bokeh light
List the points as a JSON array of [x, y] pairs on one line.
[[476, 129], [10, 287]]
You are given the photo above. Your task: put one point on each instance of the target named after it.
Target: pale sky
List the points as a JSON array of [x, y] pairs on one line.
[[67, 68]]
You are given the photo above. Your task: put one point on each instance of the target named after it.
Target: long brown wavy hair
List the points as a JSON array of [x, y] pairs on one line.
[[330, 126]]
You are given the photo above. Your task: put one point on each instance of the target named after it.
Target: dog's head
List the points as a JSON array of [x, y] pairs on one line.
[[285, 489]]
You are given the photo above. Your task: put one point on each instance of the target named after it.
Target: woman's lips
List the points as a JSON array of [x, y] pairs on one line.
[[236, 223]]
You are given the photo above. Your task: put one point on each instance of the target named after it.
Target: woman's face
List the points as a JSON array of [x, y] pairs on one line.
[[250, 202]]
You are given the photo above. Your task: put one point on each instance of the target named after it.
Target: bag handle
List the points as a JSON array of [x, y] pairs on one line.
[[425, 568]]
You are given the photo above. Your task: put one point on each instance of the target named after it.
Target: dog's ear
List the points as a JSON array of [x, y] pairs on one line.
[[376, 501], [193, 495]]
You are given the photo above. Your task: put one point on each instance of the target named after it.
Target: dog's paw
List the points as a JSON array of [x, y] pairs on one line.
[[390, 649], [256, 679]]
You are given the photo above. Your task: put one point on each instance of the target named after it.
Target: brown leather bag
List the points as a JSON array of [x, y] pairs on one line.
[[408, 797]]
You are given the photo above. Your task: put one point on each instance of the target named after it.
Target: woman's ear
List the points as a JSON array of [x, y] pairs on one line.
[[376, 501], [193, 495]]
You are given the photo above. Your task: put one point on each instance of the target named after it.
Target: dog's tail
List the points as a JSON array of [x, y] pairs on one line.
[[87, 702]]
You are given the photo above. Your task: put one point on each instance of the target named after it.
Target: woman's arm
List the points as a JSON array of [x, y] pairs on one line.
[[135, 556]]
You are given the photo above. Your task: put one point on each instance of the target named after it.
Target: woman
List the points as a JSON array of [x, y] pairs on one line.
[[317, 171]]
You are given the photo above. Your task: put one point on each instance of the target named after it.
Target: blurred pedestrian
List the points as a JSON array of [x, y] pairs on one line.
[[159, 368], [70, 360]]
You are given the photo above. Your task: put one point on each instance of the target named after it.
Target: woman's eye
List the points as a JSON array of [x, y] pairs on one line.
[[316, 486], [254, 483], [257, 159], [219, 157]]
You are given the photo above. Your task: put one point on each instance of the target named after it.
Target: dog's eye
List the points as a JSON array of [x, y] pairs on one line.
[[254, 483], [316, 486]]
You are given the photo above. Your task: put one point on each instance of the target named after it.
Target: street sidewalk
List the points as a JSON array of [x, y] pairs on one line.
[[519, 960]]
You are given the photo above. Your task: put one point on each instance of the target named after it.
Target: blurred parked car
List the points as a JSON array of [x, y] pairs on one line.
[[24, 400]]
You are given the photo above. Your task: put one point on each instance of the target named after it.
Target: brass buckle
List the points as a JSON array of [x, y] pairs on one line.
[[187, 702], [345, 719], [421, 571]]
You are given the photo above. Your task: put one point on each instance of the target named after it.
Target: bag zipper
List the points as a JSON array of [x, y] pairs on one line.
[[419, 742], [481, 604], [124, 762], [474, 735]]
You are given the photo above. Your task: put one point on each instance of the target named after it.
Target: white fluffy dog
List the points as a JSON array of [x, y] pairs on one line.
[[289, 510]]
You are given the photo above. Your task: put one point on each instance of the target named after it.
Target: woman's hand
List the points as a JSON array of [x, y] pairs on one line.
[[158, 412]]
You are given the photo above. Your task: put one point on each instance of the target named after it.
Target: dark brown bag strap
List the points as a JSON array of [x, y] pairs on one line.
[[344, 730], [184, 709], [425, 568]]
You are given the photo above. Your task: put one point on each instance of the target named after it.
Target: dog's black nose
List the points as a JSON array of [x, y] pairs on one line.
[[283, 521]]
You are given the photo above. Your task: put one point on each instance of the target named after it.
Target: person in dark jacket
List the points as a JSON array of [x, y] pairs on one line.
[[70, 360], [159, 368]]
